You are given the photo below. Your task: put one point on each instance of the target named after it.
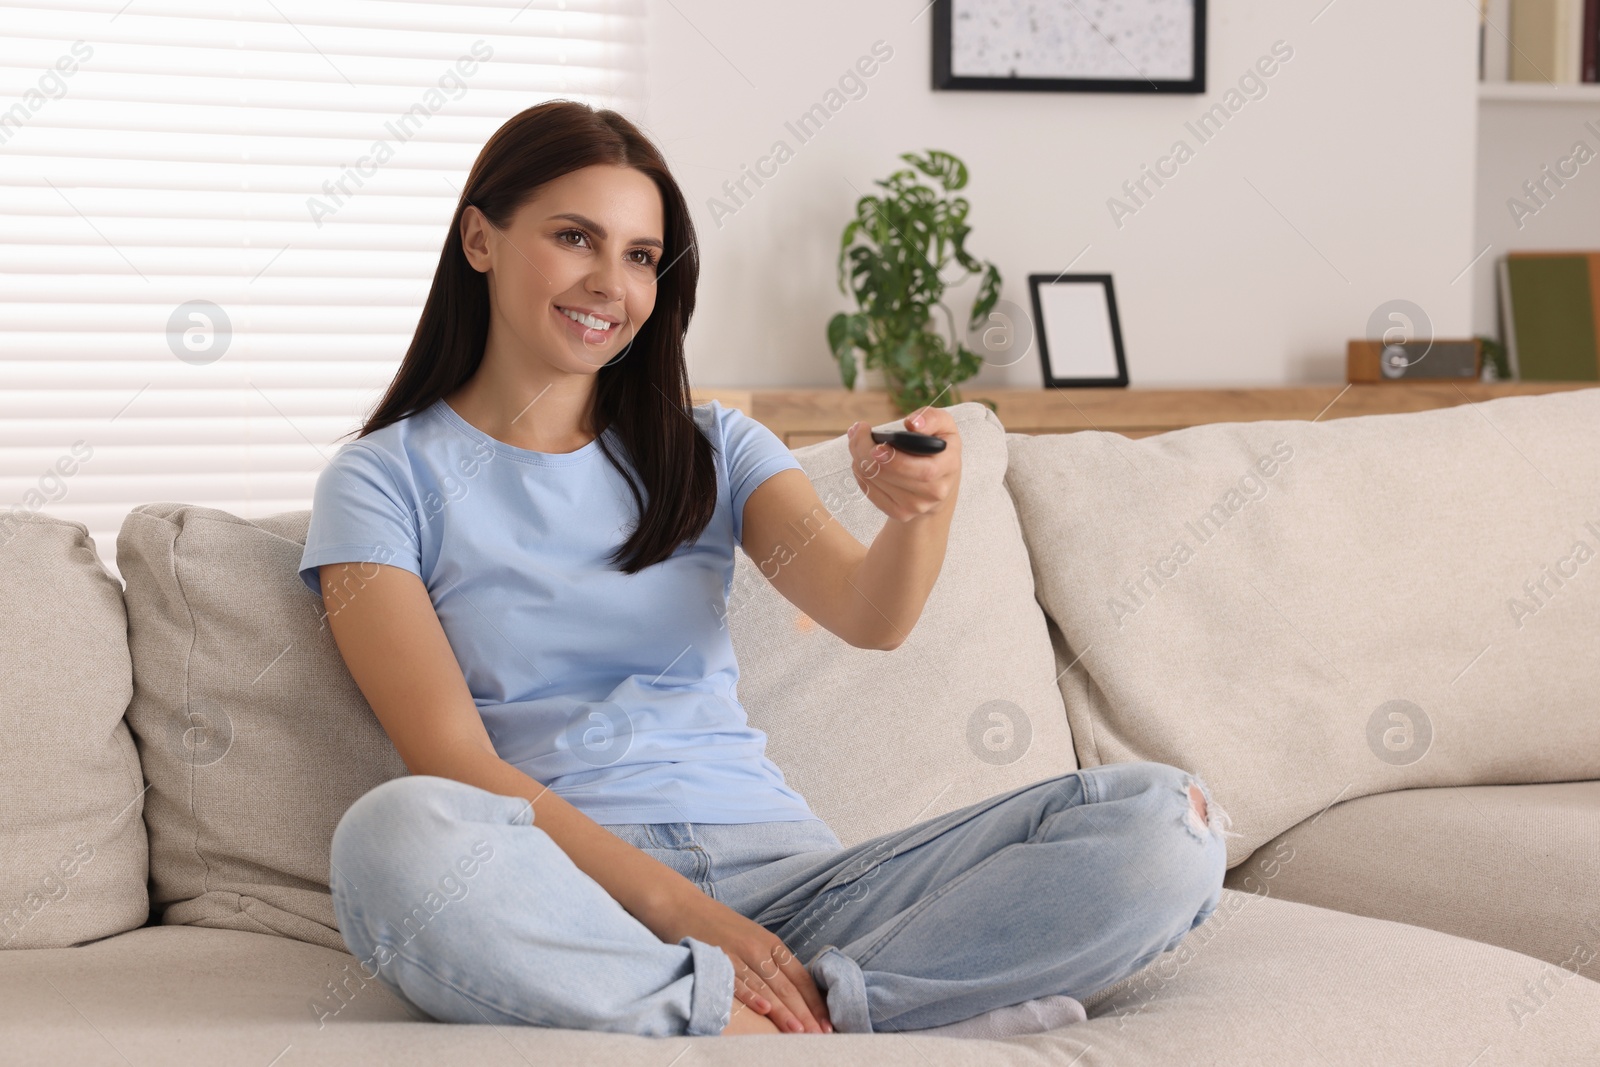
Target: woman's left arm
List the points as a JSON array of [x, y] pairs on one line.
[[872, 596]]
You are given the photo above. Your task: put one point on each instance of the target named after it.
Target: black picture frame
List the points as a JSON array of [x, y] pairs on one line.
[[945, 78], [1037, 285]]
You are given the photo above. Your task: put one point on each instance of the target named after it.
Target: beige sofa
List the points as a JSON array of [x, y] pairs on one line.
[[1377, 638]]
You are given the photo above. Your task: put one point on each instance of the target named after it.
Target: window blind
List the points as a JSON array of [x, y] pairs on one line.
[[218, 224]]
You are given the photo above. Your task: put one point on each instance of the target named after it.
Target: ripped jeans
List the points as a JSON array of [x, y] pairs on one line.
[[1066, 885]]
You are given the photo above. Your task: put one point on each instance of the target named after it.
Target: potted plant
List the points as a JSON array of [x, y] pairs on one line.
[[897, 248], [1496, 366]]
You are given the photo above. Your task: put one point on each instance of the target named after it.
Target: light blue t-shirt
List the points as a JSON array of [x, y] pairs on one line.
[[617, 691]]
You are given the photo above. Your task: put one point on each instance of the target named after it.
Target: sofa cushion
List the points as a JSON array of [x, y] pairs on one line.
[[966, 707], [71, 834], [253, 735], [1510, 865], [1273, 981], [1262, 981], [232, 651], [1303, 610]]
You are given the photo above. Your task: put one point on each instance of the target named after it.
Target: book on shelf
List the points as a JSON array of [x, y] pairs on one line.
[[1552, 42], [1591, 41], [1550, 315]]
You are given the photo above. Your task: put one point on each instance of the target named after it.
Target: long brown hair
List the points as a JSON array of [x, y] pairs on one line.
[[642, 394]]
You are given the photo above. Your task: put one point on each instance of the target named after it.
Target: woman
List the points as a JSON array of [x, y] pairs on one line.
[[525, 558]]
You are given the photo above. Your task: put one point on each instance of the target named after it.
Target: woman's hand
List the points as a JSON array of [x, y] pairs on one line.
[[903, 485], [767, 977]]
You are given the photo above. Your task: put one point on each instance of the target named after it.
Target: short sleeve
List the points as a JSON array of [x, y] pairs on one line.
[[752, 454], [358, 515]]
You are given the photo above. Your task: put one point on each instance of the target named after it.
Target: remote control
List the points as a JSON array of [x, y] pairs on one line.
[[920, 444]]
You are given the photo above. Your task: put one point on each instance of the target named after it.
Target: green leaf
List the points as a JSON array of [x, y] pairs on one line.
[[900, 181], [988, 295], [846, 334], [968, 363], [850, 231], [838, 332], [899, 358], [943, 167]]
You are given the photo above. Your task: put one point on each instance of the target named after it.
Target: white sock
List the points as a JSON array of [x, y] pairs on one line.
[[1029, 1017]]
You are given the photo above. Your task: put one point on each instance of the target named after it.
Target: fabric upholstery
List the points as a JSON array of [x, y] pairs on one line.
[[1262, 981], [1303, 611], [1509, 865], [966, 707], [72, 841], [231, 651], [254, 740], [229, 646]]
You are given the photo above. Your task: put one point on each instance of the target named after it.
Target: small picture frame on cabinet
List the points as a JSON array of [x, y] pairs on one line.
[[1080, 338]]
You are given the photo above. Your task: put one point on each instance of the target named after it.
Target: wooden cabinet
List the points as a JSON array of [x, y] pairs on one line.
[[804, 416]]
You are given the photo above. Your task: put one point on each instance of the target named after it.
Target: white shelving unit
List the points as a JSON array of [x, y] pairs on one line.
[[1524, 130], [1541, 92]]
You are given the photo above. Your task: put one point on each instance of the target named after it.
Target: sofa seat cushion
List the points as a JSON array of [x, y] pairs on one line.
[[1275, 981], [1301, 611], [1262, 981], [1511, 865], [73, 852]]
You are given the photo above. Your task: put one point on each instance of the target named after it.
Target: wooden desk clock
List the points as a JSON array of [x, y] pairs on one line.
[[1409, 361]]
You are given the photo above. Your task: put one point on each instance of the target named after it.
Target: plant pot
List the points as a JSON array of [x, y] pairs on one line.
[[870, 380]]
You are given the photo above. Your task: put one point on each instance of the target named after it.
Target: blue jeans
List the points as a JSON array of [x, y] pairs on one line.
[[468, 912]]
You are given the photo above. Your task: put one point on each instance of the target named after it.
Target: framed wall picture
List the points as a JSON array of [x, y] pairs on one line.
[[1130, 46], [1080, 338]]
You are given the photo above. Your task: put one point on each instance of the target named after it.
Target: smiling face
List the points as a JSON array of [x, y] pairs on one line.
[[587, 244]]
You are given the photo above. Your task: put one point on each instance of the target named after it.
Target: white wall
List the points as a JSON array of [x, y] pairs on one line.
[[1348, 184], [1517, 140]]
